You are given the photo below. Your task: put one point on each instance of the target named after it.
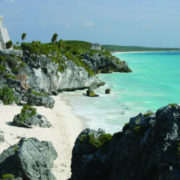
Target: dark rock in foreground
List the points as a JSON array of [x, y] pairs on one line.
[[147, 148], [30, 159]]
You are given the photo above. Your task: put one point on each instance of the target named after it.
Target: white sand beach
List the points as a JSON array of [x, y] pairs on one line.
[[65, 128]]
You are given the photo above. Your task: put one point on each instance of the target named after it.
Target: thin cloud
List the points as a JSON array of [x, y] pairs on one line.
[[9, 1], [89, 24]]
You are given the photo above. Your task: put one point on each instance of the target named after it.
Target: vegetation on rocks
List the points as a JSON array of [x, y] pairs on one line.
[[7, 177], [10, 64], [72, 50], [26, 112], [28, 118], [7, 95], [39, 94], [96, 141], [9, 44]]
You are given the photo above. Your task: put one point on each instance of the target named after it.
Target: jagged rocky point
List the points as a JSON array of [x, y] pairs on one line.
[[148, 147]]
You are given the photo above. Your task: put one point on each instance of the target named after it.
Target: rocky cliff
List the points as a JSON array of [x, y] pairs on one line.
[[39, 70], [43, 73], [148, 147]]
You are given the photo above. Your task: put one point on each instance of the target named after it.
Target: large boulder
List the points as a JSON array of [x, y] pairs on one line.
[[38, 99], [29, 159], [29, 118], [148, 147]]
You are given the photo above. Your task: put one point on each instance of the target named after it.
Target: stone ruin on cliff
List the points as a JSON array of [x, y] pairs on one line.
[[4, 36]]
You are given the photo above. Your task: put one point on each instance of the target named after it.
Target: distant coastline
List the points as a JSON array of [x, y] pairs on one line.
[[124, 52], [118, 48]]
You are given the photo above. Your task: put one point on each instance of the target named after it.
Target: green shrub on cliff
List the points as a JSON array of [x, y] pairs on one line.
[[73, 50], [9, 44], [96, 142], [10, 62], [7, 95], [39, 94]]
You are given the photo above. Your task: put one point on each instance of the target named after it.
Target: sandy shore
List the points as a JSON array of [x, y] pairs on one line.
[[65, 128]]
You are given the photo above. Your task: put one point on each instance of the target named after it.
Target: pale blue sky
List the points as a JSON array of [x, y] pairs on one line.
[[123, 22]]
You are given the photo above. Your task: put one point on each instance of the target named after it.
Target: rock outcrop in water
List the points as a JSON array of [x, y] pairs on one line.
[[30, 159], [147, 148]]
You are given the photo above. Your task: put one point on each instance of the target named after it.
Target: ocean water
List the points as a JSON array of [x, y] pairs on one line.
[[154, 82]]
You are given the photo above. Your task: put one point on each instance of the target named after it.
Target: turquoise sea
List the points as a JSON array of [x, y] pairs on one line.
[[153, 83]]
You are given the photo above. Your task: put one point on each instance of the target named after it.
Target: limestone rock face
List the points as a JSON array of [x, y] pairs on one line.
[[148, 147], [43, 74], [4, 36], [29, 159]]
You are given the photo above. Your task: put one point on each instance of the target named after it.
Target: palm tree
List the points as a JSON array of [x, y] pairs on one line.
[[23, 36], [54, 38], [9, 44]]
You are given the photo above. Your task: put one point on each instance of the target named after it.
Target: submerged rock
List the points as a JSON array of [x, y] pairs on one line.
[[107, 91], [29, 159], [148, 147]]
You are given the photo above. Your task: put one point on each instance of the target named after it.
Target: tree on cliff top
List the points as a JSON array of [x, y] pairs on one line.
[[9, 44], [54, 38], [23, 36]]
